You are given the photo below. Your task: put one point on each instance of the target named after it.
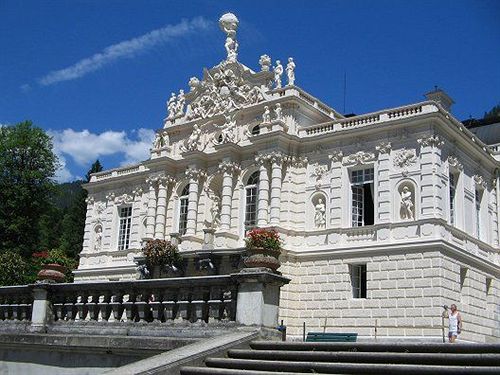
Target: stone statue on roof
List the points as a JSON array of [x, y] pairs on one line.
[[229, 24]]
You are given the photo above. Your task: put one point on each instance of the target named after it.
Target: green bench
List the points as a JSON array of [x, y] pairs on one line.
[[331, 337]]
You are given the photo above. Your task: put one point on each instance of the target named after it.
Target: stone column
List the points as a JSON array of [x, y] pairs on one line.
[[263, 198], [228, 169], [135, 236], [161, 207], [87, 234], [194, 175], [276, 175], [384, 188], [150, 220]]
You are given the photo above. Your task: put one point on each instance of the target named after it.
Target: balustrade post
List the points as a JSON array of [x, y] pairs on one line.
[[40, 315], [258, 297]]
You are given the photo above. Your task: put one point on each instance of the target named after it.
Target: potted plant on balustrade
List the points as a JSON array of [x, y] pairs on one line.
[[263, 248], [54, 265], [162, 259]]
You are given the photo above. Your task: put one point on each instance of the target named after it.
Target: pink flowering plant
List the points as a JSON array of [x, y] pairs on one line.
[[267, 239]]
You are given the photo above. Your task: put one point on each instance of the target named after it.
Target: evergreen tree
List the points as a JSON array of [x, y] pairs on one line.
[[493, 113], [27, 166], [73, 224]]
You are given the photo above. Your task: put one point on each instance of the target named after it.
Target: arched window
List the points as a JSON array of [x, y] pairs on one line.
[[255, 130], [251, 196], [183, 211]]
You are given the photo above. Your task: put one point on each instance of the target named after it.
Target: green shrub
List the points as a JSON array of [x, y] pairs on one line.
[[14, 269]]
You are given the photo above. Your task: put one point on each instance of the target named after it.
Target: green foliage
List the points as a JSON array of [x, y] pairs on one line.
[[27, 165], [161, 253], [15, 270], [493, 113]]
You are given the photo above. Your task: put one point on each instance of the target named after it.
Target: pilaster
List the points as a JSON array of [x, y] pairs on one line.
[[429, 153], [336, 189], [108, 222], [384, 188], [276, 160]]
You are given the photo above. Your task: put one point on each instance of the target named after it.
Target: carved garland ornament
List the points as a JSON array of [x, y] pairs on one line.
[[360, 157], [405, 158], [384, 147]]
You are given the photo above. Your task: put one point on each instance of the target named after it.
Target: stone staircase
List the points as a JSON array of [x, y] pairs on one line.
[[288, 358]]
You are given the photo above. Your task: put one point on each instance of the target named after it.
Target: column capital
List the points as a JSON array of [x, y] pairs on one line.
[[152, 181], [229, 167], [137, 192], [89, 201], [165, 180], [273, 157], [110, 197], [195, 173]]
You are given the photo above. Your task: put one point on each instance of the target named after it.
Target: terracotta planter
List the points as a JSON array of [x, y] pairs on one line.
[[52, 273], [259, 257]]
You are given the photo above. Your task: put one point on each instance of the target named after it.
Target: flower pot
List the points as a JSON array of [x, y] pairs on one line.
[[258, 257], [52, 272]]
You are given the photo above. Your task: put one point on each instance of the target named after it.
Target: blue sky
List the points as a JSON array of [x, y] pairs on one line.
[[96, 74]]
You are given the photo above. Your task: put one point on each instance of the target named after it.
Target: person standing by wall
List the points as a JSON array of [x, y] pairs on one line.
[[455, 322]]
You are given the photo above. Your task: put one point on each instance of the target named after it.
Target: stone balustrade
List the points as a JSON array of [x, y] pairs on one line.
[[16, 303], [240, 298]]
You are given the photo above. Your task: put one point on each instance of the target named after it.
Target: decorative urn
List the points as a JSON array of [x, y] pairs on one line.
[[52, 273], [263, 248]]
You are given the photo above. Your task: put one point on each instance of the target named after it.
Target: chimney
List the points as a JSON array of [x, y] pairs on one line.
[[440, 96]]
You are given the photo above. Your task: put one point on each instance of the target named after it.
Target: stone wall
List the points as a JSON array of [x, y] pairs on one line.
[[405, 295]]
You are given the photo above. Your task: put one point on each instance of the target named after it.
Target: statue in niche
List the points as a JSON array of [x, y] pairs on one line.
[[215, 212], [266, 116], [290, 71], [98, 238], [278, 72], [172, 106], [278, 112], [320, 214], [192, 141], [407, 205]]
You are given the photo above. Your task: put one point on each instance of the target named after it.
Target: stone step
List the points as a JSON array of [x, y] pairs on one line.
[[377, 347], [222, 371], [346, 368], [458, 359]]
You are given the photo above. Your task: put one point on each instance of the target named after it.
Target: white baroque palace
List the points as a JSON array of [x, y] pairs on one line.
[[386, 216]]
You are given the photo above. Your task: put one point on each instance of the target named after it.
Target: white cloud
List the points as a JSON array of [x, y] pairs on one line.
[[126, 49], [85, 147]]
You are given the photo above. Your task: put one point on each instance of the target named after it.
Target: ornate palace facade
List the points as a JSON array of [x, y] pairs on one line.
[[386, 216]]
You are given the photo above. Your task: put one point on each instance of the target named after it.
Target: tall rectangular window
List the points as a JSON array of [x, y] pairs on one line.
[[124, 232], [362, 188], [183, 216], [453, 189], [358, 280], [251, 198], [478, 195]]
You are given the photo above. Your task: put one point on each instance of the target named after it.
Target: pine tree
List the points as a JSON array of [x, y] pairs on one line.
[[73, 224]]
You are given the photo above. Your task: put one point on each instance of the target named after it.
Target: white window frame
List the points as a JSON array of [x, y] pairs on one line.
[[358, 280], [249, 188], [124, 227], [357, 203], [183, 210]]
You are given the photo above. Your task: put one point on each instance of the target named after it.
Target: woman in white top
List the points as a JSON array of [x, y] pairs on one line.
[[455, 323]]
